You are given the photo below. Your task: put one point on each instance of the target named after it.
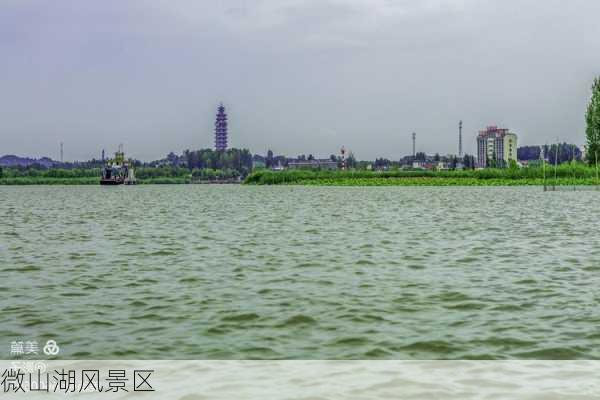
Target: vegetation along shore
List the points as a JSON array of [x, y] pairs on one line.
[[89, 176], [565, 174]]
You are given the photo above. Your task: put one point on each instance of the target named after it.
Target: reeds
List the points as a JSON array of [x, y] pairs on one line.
[[565, 174]]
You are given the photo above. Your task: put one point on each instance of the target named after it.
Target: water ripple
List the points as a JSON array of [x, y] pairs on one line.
[[292, 272]]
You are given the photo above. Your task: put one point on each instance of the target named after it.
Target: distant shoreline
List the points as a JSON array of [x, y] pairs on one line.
[[564, 175], [357, 182], [26, 181], [430, 182]]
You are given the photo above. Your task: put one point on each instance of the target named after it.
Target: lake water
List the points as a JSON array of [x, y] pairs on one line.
[[243, 272]]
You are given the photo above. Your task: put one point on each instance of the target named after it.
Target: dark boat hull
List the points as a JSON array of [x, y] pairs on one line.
[[110, 182]]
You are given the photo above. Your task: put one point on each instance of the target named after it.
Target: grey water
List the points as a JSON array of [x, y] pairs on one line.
[[244, 272]]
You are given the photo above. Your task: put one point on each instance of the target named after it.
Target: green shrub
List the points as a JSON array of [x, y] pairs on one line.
[[565, 174]]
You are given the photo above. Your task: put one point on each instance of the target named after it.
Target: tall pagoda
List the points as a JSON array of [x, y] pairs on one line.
[[221, 129]]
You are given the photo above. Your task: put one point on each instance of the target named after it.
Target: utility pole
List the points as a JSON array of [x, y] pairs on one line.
[[460, 149], [597, 173], [543, 157], [414, 139], [556, 163], [61, 153]]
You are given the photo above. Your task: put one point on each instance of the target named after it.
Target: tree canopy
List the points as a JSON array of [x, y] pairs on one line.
[[232, 159], [592, 119]]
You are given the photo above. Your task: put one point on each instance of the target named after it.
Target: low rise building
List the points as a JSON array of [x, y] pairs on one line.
[[313, 164], [496, 147]]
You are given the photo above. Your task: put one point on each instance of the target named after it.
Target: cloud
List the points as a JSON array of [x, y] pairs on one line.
[[345, 22], [149, 73]]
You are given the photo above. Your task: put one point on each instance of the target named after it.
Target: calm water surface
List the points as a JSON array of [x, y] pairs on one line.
[[301, 272]]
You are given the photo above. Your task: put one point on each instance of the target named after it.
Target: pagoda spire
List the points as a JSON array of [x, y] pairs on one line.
[[221, 129]]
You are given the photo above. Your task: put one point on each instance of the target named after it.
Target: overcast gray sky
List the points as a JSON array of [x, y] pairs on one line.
[[297, 76]]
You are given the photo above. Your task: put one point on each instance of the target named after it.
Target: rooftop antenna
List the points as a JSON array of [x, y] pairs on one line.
[[61, 153], [460, 149], [414, 139]]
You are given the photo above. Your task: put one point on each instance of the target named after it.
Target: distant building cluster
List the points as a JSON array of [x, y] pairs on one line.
[[314, 163], [280, 163], [496, 147]]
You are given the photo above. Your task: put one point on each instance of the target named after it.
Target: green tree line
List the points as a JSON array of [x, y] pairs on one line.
[[239, 160]]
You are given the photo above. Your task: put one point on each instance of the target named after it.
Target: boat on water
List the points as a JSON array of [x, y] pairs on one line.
[[118, 171]]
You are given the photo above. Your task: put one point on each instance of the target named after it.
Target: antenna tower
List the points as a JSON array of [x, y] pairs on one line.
[[460, 149]]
